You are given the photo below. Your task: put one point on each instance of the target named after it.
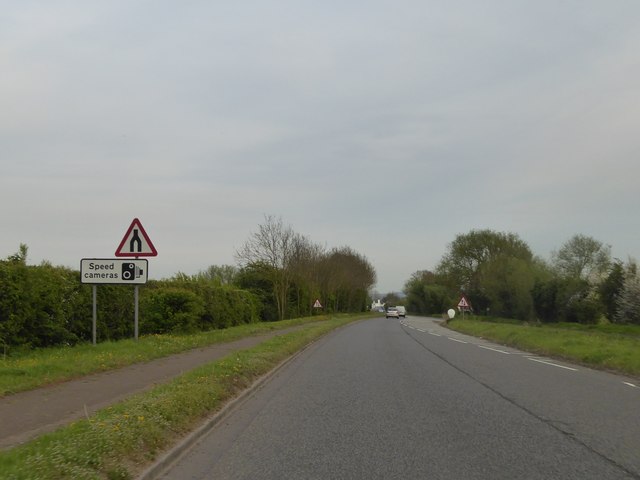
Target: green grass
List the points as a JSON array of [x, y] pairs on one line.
[[119, 441], [27, 370], [612, 347]]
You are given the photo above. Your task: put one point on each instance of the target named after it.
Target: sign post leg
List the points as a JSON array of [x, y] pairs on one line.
[[135, 321], [95, 313]]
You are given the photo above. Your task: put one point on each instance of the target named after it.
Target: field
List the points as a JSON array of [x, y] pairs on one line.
[[607, 346]]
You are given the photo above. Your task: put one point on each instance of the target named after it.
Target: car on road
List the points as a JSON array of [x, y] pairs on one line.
[[402, 312], [392, 312]]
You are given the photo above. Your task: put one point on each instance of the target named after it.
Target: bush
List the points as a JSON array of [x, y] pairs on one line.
[[42, 306], [584, 310], [226, 306], [566, 300], [220, 306], [170, 310], [32, 304]]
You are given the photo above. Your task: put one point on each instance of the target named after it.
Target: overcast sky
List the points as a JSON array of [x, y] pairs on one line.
[[388, 126]]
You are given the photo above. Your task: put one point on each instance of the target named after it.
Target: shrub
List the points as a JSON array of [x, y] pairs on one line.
[[584, 310], [170, 310]]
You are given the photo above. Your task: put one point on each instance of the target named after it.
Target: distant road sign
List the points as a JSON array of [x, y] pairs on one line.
[[136, 242], [317, 304], [113, 270], [463, 303]]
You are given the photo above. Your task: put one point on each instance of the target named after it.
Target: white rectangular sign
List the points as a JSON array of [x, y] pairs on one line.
[[113, 270]]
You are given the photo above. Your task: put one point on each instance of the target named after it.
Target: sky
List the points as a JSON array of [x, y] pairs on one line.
[[389, 126]]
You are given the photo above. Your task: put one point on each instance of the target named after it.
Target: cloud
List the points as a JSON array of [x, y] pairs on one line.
[[349, 120]]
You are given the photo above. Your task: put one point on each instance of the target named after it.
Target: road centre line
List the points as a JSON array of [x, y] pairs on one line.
[[550, 363], [456, 340], [434, 334], [494, 349], [631, 384]]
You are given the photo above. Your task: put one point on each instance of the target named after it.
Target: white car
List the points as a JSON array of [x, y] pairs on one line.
[[392, 312], [401, 311]]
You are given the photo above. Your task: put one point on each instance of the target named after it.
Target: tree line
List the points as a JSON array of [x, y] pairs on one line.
[[501, 276], [291, 271], [279, 275]]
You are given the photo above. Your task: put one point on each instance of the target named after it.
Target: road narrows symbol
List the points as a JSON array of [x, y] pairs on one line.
[[136, 242]]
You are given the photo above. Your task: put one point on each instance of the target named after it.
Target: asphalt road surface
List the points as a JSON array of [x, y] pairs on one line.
[[409, 399]]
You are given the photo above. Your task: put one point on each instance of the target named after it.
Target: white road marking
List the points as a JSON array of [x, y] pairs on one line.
[[434, 334], [420, 330], [552, 364], [494, 349], [631, 384], [456, 340]]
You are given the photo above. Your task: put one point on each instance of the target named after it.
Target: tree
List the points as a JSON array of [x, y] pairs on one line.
[[346, 278], [461, 266], [565, 299], [221, 274], [20, 256], [628, 302], [425, 295], [545, 294], [507, 283], [256, 278], [583, 257], [611, 288], [272, 245], [305, 264]]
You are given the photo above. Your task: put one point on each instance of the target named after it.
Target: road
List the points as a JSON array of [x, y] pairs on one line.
[[409, 399]]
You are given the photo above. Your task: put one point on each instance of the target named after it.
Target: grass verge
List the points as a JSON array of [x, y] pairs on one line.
[[119, 441], [605, 347], [33, 369]]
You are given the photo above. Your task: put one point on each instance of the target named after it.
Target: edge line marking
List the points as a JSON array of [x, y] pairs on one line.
[[494, 349], [552, 364]]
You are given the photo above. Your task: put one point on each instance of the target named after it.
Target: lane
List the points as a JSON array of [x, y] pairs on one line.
[[379, 399], [596, 408]]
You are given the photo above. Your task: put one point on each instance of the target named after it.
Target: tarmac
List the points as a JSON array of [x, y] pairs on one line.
[[26, 415]]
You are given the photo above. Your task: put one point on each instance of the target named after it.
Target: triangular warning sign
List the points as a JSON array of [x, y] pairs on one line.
[[317, 304], [136, 242], [463, 303]]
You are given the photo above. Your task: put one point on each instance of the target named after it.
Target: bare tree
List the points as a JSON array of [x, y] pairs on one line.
[[306, 272], [273, 245]]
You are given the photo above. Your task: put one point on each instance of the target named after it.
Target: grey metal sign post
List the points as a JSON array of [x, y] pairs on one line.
[[136, 243], [114, 271], [95, 313]]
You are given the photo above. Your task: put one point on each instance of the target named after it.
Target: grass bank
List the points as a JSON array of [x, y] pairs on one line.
[[31, 369], [612, 347], [119, 441]]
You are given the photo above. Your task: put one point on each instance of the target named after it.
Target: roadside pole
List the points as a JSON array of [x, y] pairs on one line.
[[464, 305], [136, 243], [95, 313], [135, 315]]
